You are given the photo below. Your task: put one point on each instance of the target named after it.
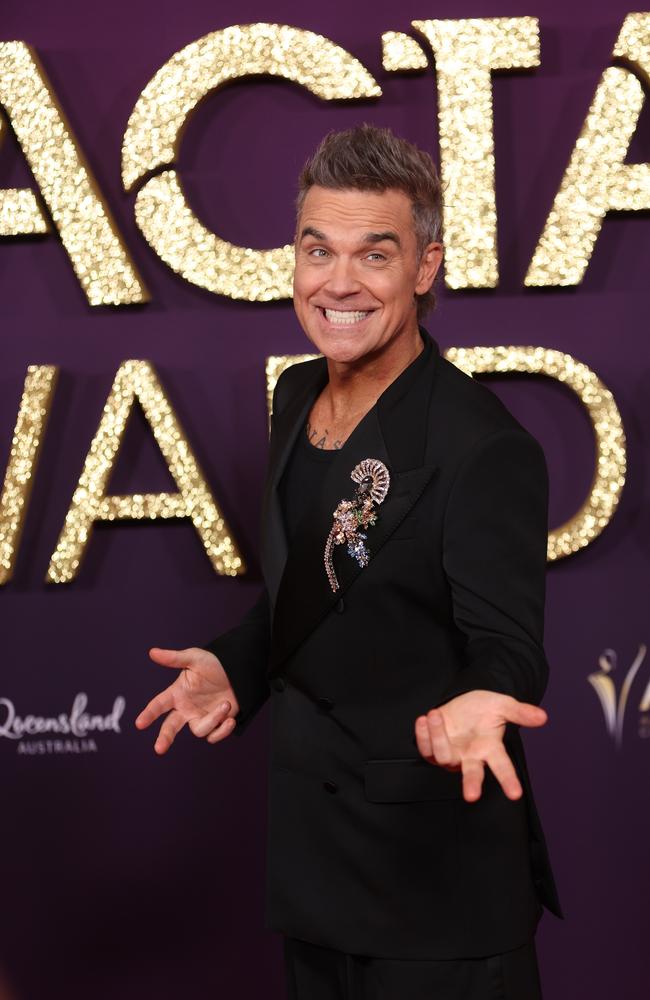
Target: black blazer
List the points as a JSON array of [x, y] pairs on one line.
[[371, 849]]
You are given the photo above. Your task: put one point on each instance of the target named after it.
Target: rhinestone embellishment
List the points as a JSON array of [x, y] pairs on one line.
[[352, 517]]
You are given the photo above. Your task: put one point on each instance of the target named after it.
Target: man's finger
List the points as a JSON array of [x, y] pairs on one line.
[[473, 774], [422, 738], [220, 733], [441, 748], [503, 770], [178, 659], [168, 732], [162, 703], [206, 723], [523, 714]]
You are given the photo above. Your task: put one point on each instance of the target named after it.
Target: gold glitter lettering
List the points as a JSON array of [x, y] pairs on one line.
[[275, 365], [20, 214], [597, 179], [153, 133], [88, 232], [401, 53], [137, 380], [609, 437], [466, 52], [29, 431]]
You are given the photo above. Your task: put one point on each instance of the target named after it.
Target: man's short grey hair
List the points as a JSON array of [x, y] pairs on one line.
[[366, 158]]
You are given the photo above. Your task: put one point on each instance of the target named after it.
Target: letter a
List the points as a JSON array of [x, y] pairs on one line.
[[90, 503]]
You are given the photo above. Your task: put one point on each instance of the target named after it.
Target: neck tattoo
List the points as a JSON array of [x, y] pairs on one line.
[[319, 439]]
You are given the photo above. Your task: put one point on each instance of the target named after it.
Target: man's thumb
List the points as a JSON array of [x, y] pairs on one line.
[[524, 714], [175, 658]]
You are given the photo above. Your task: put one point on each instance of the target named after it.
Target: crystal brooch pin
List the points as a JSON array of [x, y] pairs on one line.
[[352, 517]]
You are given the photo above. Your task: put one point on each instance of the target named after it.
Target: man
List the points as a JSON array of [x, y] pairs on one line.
[[399, 633]]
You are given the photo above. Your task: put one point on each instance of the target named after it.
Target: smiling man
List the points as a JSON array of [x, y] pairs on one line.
[[358, 268], [400, 630]]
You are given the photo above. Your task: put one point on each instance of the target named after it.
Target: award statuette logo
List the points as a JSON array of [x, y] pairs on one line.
[[614, 706]]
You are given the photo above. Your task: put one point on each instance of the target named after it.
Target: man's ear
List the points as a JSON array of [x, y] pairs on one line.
[[428, 268]]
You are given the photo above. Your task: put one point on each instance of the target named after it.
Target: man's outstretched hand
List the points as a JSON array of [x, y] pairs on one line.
[[201, 696], [467, 733]]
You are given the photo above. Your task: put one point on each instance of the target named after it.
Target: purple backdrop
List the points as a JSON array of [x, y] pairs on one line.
[[124, 875]]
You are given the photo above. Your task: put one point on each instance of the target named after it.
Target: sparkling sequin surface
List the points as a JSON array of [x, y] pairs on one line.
[[609, 475], [33, 412], [597, 179], [90, 503], [466, 51], [401, 53], [154, 129], [20, 214], [98, 255]]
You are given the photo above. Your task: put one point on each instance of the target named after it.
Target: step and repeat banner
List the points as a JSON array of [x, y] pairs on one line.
[[148, 164]]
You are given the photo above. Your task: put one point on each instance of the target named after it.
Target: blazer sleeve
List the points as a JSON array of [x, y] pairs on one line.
[[244, 653], [244, 650], [494, 556]]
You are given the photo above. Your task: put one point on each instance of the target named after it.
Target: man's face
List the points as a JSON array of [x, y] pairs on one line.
[[357, 271]]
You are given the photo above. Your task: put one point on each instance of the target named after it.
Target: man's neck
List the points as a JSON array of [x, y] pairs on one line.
[[358, 386]]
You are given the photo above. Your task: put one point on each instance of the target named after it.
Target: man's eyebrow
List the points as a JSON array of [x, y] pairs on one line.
[[310, 231], [380, 237], [368, 238]]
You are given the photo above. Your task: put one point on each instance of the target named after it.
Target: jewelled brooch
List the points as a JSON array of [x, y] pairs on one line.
[[351, 516]]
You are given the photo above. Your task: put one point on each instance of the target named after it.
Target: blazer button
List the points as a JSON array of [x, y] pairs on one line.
[[325, 703], [340, 607], [278, 684], [331, 787]]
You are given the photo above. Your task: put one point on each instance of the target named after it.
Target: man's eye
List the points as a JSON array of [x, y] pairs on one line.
[[318, 252], [376, 256]]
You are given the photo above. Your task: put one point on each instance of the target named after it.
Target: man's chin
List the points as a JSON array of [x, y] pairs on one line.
[[341, 351], [344, 345]]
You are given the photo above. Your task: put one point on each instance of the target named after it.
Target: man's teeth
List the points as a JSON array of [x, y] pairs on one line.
[[341, 318]]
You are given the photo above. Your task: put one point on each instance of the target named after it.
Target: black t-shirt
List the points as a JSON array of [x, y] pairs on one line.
[[302, 480], [303, 476]]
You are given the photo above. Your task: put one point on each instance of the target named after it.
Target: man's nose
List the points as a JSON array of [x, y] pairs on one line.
[[341, 279]]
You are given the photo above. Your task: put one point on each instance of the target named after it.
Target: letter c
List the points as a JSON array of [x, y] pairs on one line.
[[153, 133]]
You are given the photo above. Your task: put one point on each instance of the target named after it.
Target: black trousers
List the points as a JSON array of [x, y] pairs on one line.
[[316, 973]]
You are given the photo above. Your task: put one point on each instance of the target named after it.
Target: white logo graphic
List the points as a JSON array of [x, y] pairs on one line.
[[603, 685], [76, 726]]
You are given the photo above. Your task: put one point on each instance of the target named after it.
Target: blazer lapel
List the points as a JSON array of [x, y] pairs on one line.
[[304, 595], [284, 431]]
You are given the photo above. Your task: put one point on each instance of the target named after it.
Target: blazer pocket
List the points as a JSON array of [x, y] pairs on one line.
[[409, 779]]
